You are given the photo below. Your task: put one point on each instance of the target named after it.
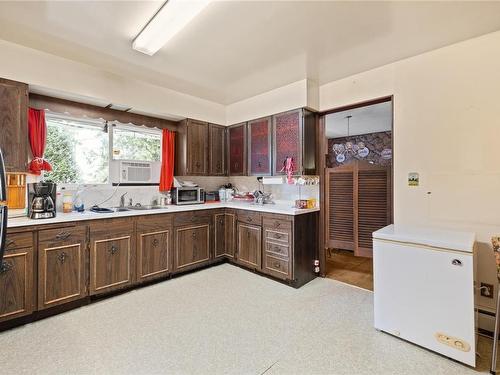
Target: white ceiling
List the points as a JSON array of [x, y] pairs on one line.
[[237, 49], [369, 119]]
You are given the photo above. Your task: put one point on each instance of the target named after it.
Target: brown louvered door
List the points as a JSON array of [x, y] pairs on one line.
[[340, 208], [373, 203], [358, 199]]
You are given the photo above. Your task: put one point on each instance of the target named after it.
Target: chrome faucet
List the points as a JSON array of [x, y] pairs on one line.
[[122, 200]]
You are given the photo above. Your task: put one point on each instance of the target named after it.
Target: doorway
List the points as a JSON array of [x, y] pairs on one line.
[[357, 194]]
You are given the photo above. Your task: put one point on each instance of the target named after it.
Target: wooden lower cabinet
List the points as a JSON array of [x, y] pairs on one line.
[[224, 234], [62, 265], [111, 255], [154, 247], [16, 277], [249, 250], [192, 246]]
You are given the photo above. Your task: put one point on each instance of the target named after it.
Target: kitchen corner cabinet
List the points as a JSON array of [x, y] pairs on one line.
[[217, 147], [192, 239], [294, 135], [224, 234], [14, 124], [192, 148], [259, 147], [111, 255], [62, 265], [237, 149], [16, 277], [154, 247]]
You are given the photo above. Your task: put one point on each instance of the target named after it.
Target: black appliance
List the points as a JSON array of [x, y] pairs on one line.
[[41, 200], [3, 209]]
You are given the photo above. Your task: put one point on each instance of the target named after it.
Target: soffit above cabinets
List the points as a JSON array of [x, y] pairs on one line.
[[237, 49]]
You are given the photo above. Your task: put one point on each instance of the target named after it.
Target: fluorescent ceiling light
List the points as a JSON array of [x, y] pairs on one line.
[[168, 21]]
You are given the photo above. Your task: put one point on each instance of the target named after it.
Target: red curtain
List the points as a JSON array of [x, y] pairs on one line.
[[167, 160], [37, 133]]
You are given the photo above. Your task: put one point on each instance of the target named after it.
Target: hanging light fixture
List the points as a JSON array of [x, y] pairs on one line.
[[349, 148]]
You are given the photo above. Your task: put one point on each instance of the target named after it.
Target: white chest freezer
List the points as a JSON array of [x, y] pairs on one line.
[[424, 288]]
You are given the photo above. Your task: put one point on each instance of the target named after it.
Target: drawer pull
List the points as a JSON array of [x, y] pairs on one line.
[[5, 267], [10, 243], [277, 265], [193, 218], [277, 224], [277, 249], [113, 249], [278, 235], [62, 235], [62, 257], [456, 262], [155, 242], [249, 219]]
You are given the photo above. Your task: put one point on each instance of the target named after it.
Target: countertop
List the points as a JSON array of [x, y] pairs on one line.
[[428, 236], [284, 208]]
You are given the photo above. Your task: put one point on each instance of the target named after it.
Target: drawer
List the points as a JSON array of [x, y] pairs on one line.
[[277, 222], [276, 266], [249, 217], [277, 249], [149, 223], [106, 228], [192, 217], [62, 235], [277, 235], [18, 240]]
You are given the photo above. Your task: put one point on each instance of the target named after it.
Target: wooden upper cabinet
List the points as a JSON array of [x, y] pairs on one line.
[[217, 154], [192, 148], [259, 147], [61, 265], [14, 124], [237, 140], [294, 135], [16, 277]]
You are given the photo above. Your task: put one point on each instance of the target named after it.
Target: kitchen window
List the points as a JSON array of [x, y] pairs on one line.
[[80, 150]]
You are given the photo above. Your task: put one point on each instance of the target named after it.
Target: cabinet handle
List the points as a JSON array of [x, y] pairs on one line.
[[62, 257], [113, 249], [277, 249], [5, 267], [155, 242], [221, 221], [193, 235], [277, 223], [278, 235], [456, 262], [193, 218], [197, 164], [249, 219], [277, 265], [9, 243], [248, 234], [62, 235]]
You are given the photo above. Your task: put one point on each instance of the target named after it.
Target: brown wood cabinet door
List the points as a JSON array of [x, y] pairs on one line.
[[259, 147], [110, 264], [154, 254], [217, 157], [197, 148], [192, 246], [237, 140], [14, 124], [61, 266], [225, 234], [249, 245], [287, 136], [16, 282]]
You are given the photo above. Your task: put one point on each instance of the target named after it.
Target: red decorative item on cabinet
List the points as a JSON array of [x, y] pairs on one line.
[[287, 140], [259, 146], [237, 150]]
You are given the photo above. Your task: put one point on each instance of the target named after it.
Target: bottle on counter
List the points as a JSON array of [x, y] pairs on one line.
[[67, 202]]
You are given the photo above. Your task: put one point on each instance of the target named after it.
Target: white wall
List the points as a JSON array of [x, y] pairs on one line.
[[38, 68], [447, 128], [295, 95]]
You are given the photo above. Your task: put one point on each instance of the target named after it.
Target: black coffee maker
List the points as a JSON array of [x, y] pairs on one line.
[[41, 200]]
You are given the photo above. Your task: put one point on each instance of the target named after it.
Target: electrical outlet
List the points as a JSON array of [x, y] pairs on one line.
[[487, 290]]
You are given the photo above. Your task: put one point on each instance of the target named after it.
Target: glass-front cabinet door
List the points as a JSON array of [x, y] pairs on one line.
[[259, 147], [237, 149], [287, 129]]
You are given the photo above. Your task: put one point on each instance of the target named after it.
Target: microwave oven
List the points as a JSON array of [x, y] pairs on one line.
[[187, 195]]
